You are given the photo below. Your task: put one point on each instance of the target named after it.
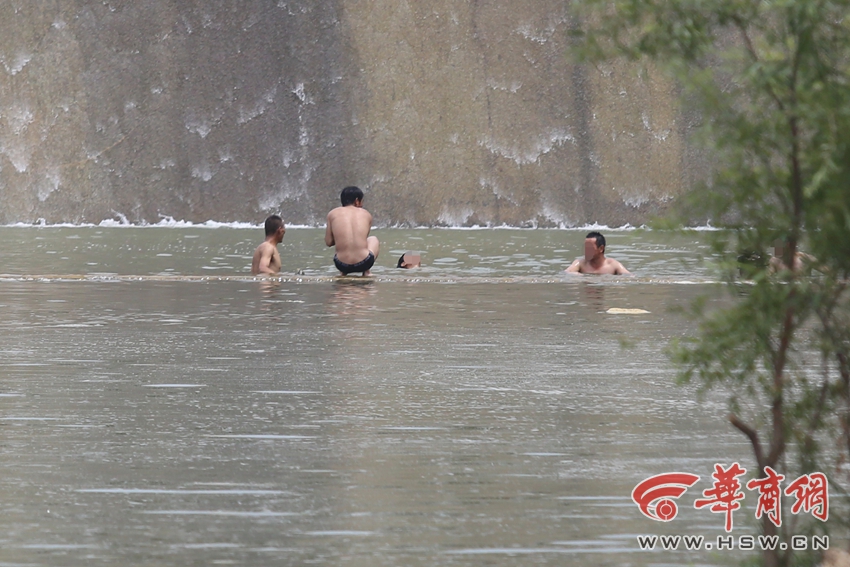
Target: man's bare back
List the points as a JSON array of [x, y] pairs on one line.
[[594, 260], [266, 257], [348, 229]]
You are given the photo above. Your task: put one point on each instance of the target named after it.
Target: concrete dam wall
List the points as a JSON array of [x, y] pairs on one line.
[[445, 112]]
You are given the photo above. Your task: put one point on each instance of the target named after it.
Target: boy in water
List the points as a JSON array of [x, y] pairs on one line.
[[266, 257], [409, 260], [594, 261], [348, 230]]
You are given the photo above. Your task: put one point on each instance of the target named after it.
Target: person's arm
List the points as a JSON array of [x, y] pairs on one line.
[[265, 259], [575, 267], [811, 263], [329, 235], [621, 270], [775, 264]]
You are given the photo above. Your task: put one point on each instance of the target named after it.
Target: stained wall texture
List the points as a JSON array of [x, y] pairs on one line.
[[446, 112]]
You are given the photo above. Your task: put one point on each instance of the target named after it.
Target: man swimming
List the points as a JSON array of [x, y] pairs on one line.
[[802, 262], [594, 261], [266, 257], [409, 260], [348, 229]]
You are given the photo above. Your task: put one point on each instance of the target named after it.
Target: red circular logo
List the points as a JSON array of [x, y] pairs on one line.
[[666, 510]]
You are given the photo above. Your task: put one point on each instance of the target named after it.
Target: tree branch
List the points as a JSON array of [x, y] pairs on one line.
[[753, 436]]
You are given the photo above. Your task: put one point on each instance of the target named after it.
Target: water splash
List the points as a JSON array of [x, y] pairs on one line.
[[539, 147], [18, 63]]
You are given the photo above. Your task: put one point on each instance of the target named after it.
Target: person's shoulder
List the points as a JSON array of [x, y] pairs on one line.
[[359, 214], [619, 268], [336, 213]]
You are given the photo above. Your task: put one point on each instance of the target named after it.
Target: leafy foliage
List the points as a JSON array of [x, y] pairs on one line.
[[771, 81]]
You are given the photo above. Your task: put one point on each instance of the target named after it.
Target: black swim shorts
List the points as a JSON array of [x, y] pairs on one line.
[[361, 266]]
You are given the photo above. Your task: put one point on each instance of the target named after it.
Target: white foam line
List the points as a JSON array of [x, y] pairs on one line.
[[166, 222], [169, 222]]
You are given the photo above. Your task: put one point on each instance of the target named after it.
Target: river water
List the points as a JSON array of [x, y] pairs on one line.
[[158, 406]]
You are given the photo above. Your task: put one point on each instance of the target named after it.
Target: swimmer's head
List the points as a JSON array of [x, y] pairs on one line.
[[273, 224], [594, 244], [408, 260], [350, 194], [597, 236]]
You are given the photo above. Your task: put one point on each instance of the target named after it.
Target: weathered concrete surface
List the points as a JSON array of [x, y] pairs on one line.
[[450, 112]]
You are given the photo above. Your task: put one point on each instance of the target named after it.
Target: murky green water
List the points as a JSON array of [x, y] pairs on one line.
[[445, 253], [462, 420]]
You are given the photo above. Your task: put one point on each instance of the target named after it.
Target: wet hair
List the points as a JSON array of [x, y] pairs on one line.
[[600, 240], [400, 262], [273, 223], [751, 263], [349, 195]]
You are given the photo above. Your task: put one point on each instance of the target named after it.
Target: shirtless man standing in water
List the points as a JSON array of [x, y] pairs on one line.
[[594, 261], [802, 261], [348, 230], [266, 257]]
